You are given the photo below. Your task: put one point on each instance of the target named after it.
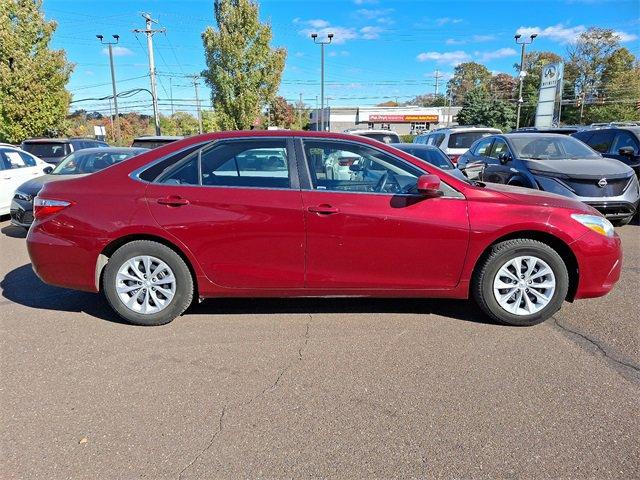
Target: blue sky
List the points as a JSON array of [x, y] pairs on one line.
[[382, 50]]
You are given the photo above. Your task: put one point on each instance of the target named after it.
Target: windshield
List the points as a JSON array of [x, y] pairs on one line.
[[47, 149], [83, 162], [433, 156], [382, 137], [466, 139], [551, 148]]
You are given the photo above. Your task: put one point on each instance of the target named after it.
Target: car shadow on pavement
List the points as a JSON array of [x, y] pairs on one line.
[[14, 232], [22, 286]]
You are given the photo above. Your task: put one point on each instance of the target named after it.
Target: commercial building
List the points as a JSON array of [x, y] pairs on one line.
[[404, 120]]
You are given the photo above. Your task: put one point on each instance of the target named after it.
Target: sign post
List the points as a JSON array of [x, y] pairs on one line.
[[550, 98]]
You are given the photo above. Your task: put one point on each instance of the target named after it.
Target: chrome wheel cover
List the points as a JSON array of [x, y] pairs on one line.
[[145, 284], [524, 285]]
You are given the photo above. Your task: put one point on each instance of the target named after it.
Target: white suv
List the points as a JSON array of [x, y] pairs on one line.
[[455, 141], [384, 136]]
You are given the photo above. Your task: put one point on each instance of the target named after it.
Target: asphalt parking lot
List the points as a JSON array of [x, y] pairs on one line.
[[334, 388]]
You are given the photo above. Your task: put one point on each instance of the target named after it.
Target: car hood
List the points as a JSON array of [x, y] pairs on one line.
[[33, 186], [528, 196], [586, 169]]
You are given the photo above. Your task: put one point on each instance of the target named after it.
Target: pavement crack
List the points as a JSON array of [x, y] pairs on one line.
[[600, 347], [272, 386]]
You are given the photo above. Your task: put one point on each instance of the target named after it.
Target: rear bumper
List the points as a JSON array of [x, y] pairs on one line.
[[61, 262], [599, 264]]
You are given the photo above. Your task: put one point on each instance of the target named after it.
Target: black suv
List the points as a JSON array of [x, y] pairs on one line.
[[52, 150], [621, 143]]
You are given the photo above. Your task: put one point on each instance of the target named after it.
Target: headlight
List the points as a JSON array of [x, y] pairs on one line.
[[23, 196], [596, 223]]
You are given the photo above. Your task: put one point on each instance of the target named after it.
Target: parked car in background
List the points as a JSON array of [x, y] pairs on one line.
[[431, 154], [192, 220], [52, 150], [154, 141], [384, 136], [562, 130], [621, 143], [16, 167], [454, 141], [559, 164], [80, 163]]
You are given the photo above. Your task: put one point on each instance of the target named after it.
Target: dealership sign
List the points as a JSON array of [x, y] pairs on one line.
[[403, 118], [548, 111]]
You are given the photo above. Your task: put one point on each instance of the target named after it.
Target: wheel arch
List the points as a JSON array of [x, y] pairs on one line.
[[563, 249], [114, 245]]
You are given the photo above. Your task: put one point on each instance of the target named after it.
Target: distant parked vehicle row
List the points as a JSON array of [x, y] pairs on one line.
[[384, 136], [16, 167], [52, 150], [454, 141], [154, 141], [77, 164], [559, 164]]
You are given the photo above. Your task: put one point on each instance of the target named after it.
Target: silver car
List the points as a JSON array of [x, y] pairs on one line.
[[558, 164]]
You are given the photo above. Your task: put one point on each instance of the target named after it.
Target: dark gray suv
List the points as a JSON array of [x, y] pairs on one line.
[[52, 150]]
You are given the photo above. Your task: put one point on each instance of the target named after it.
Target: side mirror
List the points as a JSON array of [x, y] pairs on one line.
[[429, 185], [504, 158], [626, 151], [48, 170]]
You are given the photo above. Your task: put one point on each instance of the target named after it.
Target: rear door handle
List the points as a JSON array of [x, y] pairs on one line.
[[324, 209], [173, 201]]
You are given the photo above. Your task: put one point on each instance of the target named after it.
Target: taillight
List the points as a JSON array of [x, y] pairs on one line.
[[44, 207], [454, 158]]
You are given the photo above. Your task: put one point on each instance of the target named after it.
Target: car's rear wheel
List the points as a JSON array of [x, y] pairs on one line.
[[521, 282], [147, 283]]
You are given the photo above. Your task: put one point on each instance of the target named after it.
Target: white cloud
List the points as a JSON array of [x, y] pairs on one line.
[[626, 37], [450, 58], [453, 41], [365, 2], [371, 33], [483, 38], [499, 53], [558, 33], [370, 14], [317, 23], [446, 20], [118, 51], [474, 39]]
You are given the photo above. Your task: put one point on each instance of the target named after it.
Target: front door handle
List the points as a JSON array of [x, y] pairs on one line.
[[173, 201], [323, 209]]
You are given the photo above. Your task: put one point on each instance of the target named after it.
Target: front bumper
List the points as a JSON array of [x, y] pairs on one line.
[[21, 213], [615, 210], [599, 264]]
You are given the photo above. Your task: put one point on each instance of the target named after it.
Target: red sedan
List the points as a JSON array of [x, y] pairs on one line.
[[280, 214]]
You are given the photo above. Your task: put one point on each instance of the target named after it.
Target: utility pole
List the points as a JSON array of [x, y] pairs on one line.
[[522, 43], [322, 43], [115, 123], [149, 32], [171, 93], [196, 84], [438, 77]]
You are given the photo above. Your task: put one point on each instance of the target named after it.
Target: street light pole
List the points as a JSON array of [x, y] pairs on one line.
[[522, 43], [322, 43], [116, 125]]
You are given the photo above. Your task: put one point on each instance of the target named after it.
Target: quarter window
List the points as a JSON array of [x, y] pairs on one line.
[[346, 167]]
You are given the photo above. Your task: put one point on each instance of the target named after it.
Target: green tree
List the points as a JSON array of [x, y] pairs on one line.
[[281, 113], [243, 70], [479, 108], [33, 98], [179, 123], [428, 100], [466, 77]]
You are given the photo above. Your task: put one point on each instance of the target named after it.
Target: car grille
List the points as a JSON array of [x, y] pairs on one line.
[[614, 210], [22, 217], [590, 188]]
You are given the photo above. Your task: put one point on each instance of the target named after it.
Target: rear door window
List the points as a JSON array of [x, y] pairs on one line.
[[465, 139], [625, 139], [482, 148], [47, 149], [499, 147]]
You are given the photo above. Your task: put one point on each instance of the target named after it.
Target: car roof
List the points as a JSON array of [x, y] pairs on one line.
[[60, 140], [370, 130], [463, 129], [414, 146], [158, 137], [112, 150], [533, 134]]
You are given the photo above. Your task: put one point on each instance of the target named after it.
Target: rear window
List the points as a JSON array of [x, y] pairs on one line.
[[383, 137], [466, 139], [151, 143], [47, 150]]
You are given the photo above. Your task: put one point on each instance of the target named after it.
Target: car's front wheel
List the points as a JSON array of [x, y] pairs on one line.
[[521, 282], [147, 283]]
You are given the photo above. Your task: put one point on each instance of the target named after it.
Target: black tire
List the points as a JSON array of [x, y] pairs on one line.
[[501, 253], [184, 282]]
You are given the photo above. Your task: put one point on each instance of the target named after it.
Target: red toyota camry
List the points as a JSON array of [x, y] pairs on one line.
[[283, 214]]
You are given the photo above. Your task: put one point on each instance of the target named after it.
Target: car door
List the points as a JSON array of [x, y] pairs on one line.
[[625, 139], [498, 169], [366, 235], [237, 206], [601, 141], [15, 171]]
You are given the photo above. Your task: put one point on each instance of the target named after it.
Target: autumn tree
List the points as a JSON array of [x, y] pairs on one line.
[[466, 77], [503, 86], [33, 97], [281, 113], [243, 70]]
